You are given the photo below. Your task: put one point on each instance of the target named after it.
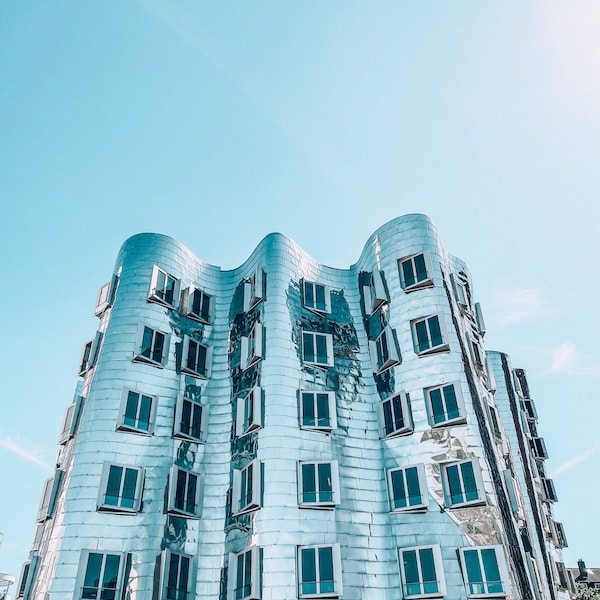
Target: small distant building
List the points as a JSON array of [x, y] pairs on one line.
[[584, 575]]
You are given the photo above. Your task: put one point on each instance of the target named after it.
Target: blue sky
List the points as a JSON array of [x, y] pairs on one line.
[[219, 122]]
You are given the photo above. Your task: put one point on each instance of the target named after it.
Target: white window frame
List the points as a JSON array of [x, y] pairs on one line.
[[38, 535], [423, 494], [172, 507], [514, 497], [254, 290], [82, 571], [450, 503], [195, 369], [318, 310], [461, 292], [314, 396], [337, 572], [253, 501], [252, 347], [416, 285], [528, 407], [440, 580], [334, 484], [158, 295], [49, 495], [538, 448], [458, 420], [165, 563], [106, 296], [195, 405], [102, 505], [253, 554], [384, 351], [248, 412], [479, 318], [477, 353], [375, 294], [142, 358], [328, 348], [70, 421], [27, 577], [401, 402], [561, 536], [443, 346], [132, 428], [549, 490], [187, 302], [481, 589], [85, 363]]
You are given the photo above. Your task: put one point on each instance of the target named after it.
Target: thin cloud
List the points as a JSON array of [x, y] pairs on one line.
[[30, 455], [519, 304], [565, 359], [573, 462]]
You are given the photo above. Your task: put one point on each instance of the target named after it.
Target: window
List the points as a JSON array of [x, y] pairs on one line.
[[164, 288], [384, 351], [248, 410], [185, 491], [428, 335], [317, 410], [247, 488], [28, 571], [120, 488], [460, 286], [177, 576], [319, 571], [415, 272], [529, 409], [549, 490], [106, 296], [477, 354], [444, 405], [479, 318], [191, 419], [49, 494], [407, 489], [254, 290], [421, 572], [563, 578], [38, 534], [196, 305], [484, 571], [89, 354], [375, 294], [462, 483], [494, 421], [243, 582], [395, 416], [252, 347], [318, 484], [317, 348], [561, 536], [100, 575], [316, 297], [70, 421], [195, 358], [513, 496], [538, 447], [152, 346], [137, 412]]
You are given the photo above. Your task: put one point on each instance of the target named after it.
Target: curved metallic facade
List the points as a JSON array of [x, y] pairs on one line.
[[289, 430]]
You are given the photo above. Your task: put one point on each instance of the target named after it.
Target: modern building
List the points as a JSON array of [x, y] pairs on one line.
[[289, 430]]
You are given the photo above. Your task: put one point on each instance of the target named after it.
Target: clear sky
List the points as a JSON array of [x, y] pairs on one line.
[[219, 122]]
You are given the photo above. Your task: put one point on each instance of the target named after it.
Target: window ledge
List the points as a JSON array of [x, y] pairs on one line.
[[436, 350], [426, 283], [148, 361]]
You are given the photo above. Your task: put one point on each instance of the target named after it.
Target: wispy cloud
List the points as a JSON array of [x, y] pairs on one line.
[[29, 454], [565, 359], [519, 304], [576, 460]]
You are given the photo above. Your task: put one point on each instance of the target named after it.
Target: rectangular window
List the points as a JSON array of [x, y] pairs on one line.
[[538, 447], [70, 421], [252, 347], [120, 488], [318, 484], [395, 416], [100, 575], [164, 288], [563, 578], [151, 346], [421, 571], [549, 490], [247, 488], [191, 419], [479, 318], [185, 492], [407, 489], [319, 571], [254, 290], [384, 350], [415, 272], [196, 305], [177, 576], [317, 410], [136, 413], [462, 483], [316, 297], [513, 496], [195, 358], [317, 349], [248, 410], [484, 571], [375, 294], [561, 536], [444, 405], [27, 576], [106, 296], [477, 354], [38, 534], [49, 495], [494, 421], [529, 409], [243, 582], [86, 359], [428, 335]]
